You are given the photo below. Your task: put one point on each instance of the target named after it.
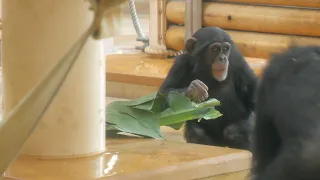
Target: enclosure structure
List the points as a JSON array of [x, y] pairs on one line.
[[259, 28], [139, 73]]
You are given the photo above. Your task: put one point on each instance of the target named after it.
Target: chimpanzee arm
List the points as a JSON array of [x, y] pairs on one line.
[[179, 76], [245, 80], [251, 81]]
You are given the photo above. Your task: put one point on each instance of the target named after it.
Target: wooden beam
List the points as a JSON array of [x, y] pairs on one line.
[[297, 3], [142, 70], [192, 17], [253, 18], [251, 44], [128, 90], [158, 23]]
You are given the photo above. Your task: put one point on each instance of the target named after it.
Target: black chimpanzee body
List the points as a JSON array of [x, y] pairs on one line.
[[235, 91], [287, 132]]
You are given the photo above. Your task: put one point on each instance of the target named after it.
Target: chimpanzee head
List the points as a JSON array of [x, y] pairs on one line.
[[211, 46]]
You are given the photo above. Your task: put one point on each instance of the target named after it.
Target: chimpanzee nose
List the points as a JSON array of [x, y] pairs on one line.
[[222, 58]]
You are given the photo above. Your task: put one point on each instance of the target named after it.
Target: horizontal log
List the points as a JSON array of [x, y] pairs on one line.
[[296, 3], [252, 18], [128, 90], [136, 69], [251, 44], [141, 69]]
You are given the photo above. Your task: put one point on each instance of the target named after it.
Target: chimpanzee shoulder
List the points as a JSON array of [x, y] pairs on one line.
[[179, 75], [243, 77]]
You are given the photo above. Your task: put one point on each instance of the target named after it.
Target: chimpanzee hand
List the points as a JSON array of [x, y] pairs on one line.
[[197, 91]]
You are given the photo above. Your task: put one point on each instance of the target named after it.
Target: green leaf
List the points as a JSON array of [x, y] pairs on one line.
[[112, 127], [138, 101], [213, 114], [145, 115], [132, 120], [147, 106], [178, 101], [143, 99], [159, 103], [154, 102], [182, 109], [171, 117], [209, 103], [176, 126]]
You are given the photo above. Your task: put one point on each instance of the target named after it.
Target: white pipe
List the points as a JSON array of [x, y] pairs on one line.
[[37, 33]]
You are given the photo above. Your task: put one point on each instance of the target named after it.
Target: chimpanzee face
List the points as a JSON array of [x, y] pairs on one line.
[[216, 56]]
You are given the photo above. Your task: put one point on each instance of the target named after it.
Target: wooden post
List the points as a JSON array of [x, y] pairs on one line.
[[157, 24], [192, 17], [37, 33]]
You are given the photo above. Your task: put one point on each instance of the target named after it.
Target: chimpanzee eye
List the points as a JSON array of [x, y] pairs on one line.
[[215, 48], [226, 48]]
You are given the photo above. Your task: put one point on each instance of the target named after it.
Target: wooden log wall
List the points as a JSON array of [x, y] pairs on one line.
[[294, 3], [251, 44], [258, 30]]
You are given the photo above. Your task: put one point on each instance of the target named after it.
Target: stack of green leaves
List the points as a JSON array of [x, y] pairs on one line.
[[145, 115]]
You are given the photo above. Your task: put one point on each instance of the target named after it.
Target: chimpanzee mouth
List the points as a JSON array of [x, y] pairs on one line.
[[219, 69]]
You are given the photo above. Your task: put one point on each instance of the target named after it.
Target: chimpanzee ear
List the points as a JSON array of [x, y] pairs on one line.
[[190, 45]]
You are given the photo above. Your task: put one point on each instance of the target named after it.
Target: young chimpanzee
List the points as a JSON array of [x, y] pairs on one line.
[[287, 132], [213, 67]]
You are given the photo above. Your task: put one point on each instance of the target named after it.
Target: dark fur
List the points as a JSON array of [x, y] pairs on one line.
[[235, 93], [287, 132]]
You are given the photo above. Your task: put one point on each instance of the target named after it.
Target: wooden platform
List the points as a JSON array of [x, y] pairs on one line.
[[139, 159], [135, 158], [134, 75]]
